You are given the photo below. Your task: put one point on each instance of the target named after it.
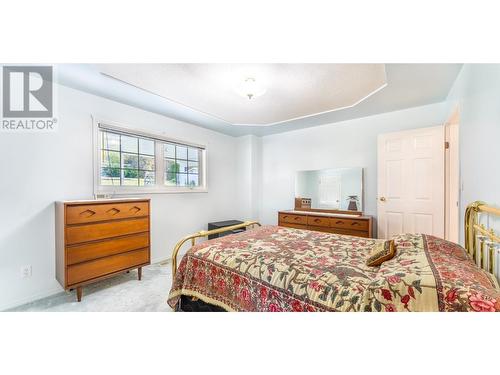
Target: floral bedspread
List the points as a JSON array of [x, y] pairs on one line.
[[283, 269]]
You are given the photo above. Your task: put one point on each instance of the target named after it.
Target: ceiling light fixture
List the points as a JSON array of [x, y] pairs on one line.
[[250, 89]]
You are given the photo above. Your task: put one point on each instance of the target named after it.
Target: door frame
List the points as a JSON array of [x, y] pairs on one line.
[[452, 177]]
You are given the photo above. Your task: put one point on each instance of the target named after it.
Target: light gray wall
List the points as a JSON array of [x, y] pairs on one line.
[[476, 92], [248, 176], [346, 144], [38, 169]]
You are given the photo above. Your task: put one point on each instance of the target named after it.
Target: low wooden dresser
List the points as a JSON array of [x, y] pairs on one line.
[[340, 223], [96, 239]]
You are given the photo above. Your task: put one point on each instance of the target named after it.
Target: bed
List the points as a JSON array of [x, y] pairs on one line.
[[274, 268]]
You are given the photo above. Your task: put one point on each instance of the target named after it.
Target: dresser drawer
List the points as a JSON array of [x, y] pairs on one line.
[[296, 226], [293, 218], [90, 213], [95, 250], [318, 221], [357, 233], [100, 267], [99, 231], [351, 224]]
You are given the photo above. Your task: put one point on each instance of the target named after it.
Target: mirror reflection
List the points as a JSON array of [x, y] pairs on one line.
[[332, 189]]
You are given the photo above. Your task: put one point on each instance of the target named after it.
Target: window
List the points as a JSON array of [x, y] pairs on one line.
[[134, 162], [181, 165], [127, 160]]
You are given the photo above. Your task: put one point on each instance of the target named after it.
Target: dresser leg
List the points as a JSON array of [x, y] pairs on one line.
[[79, 293], [139, 273]]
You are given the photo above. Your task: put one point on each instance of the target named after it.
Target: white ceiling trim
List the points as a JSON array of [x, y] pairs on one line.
[[319, 113]]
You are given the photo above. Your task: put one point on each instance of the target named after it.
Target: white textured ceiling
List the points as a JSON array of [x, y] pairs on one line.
[[293, 91], [408, 85]]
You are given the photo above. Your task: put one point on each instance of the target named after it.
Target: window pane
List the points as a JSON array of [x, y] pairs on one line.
[[110, 141], [193, 180], [110, 159], [183, 166], [147, 163], [193, 153], [146, 147], [110, 172], [109, 181], [110, 176], [146, 178], [130, 161], [192, 167], [129, 144], [170, 179], [169, 151], [181, 152], [182, 179], [130, 177], [171, 166]]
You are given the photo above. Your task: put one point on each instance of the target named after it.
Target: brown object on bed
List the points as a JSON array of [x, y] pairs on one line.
[[96, 239], [340, 222], [382, 251]]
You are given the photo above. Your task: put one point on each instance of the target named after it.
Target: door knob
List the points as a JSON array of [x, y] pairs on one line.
[[382, 199]]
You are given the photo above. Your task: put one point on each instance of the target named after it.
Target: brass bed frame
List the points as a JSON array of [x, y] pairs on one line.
[[205, 233], [481, 241]]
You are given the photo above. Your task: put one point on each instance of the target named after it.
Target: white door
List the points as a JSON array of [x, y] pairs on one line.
[[329, 192], [411, 182]]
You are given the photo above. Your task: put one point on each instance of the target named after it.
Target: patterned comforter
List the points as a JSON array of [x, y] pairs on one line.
[[283, 269]]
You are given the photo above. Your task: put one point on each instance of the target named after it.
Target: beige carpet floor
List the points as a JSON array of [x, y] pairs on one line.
[[120, 293]]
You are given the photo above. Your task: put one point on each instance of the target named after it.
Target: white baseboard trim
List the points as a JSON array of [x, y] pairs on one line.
[[161, 260]]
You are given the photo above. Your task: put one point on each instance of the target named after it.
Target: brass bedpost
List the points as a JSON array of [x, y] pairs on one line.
[[481, 249], [475, 232], [204, 233], [491, 258], [470, 220]]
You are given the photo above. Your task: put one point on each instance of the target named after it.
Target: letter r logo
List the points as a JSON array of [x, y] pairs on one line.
[[27, 91]]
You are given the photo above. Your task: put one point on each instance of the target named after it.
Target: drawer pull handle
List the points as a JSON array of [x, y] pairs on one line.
[[135, 209], [355, 223], [297, 218], [284, 217], [339, 222], [113, 211], [317, 220], [89, 212]]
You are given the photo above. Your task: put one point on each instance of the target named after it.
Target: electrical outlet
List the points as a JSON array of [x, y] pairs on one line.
[[26, 271]]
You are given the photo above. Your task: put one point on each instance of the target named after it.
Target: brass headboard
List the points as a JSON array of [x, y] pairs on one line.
[[205, 233], [481, 242]]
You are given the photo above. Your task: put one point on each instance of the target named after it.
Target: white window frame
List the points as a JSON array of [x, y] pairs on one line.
[[159, 187]]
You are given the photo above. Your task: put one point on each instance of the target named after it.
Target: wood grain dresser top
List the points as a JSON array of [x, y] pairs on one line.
[[97, 201]]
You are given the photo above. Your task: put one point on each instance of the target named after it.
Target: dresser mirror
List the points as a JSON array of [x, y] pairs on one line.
[[330, 189]]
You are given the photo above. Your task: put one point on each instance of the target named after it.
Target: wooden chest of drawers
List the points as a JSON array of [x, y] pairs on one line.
[[360, 226], [97, 239]]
